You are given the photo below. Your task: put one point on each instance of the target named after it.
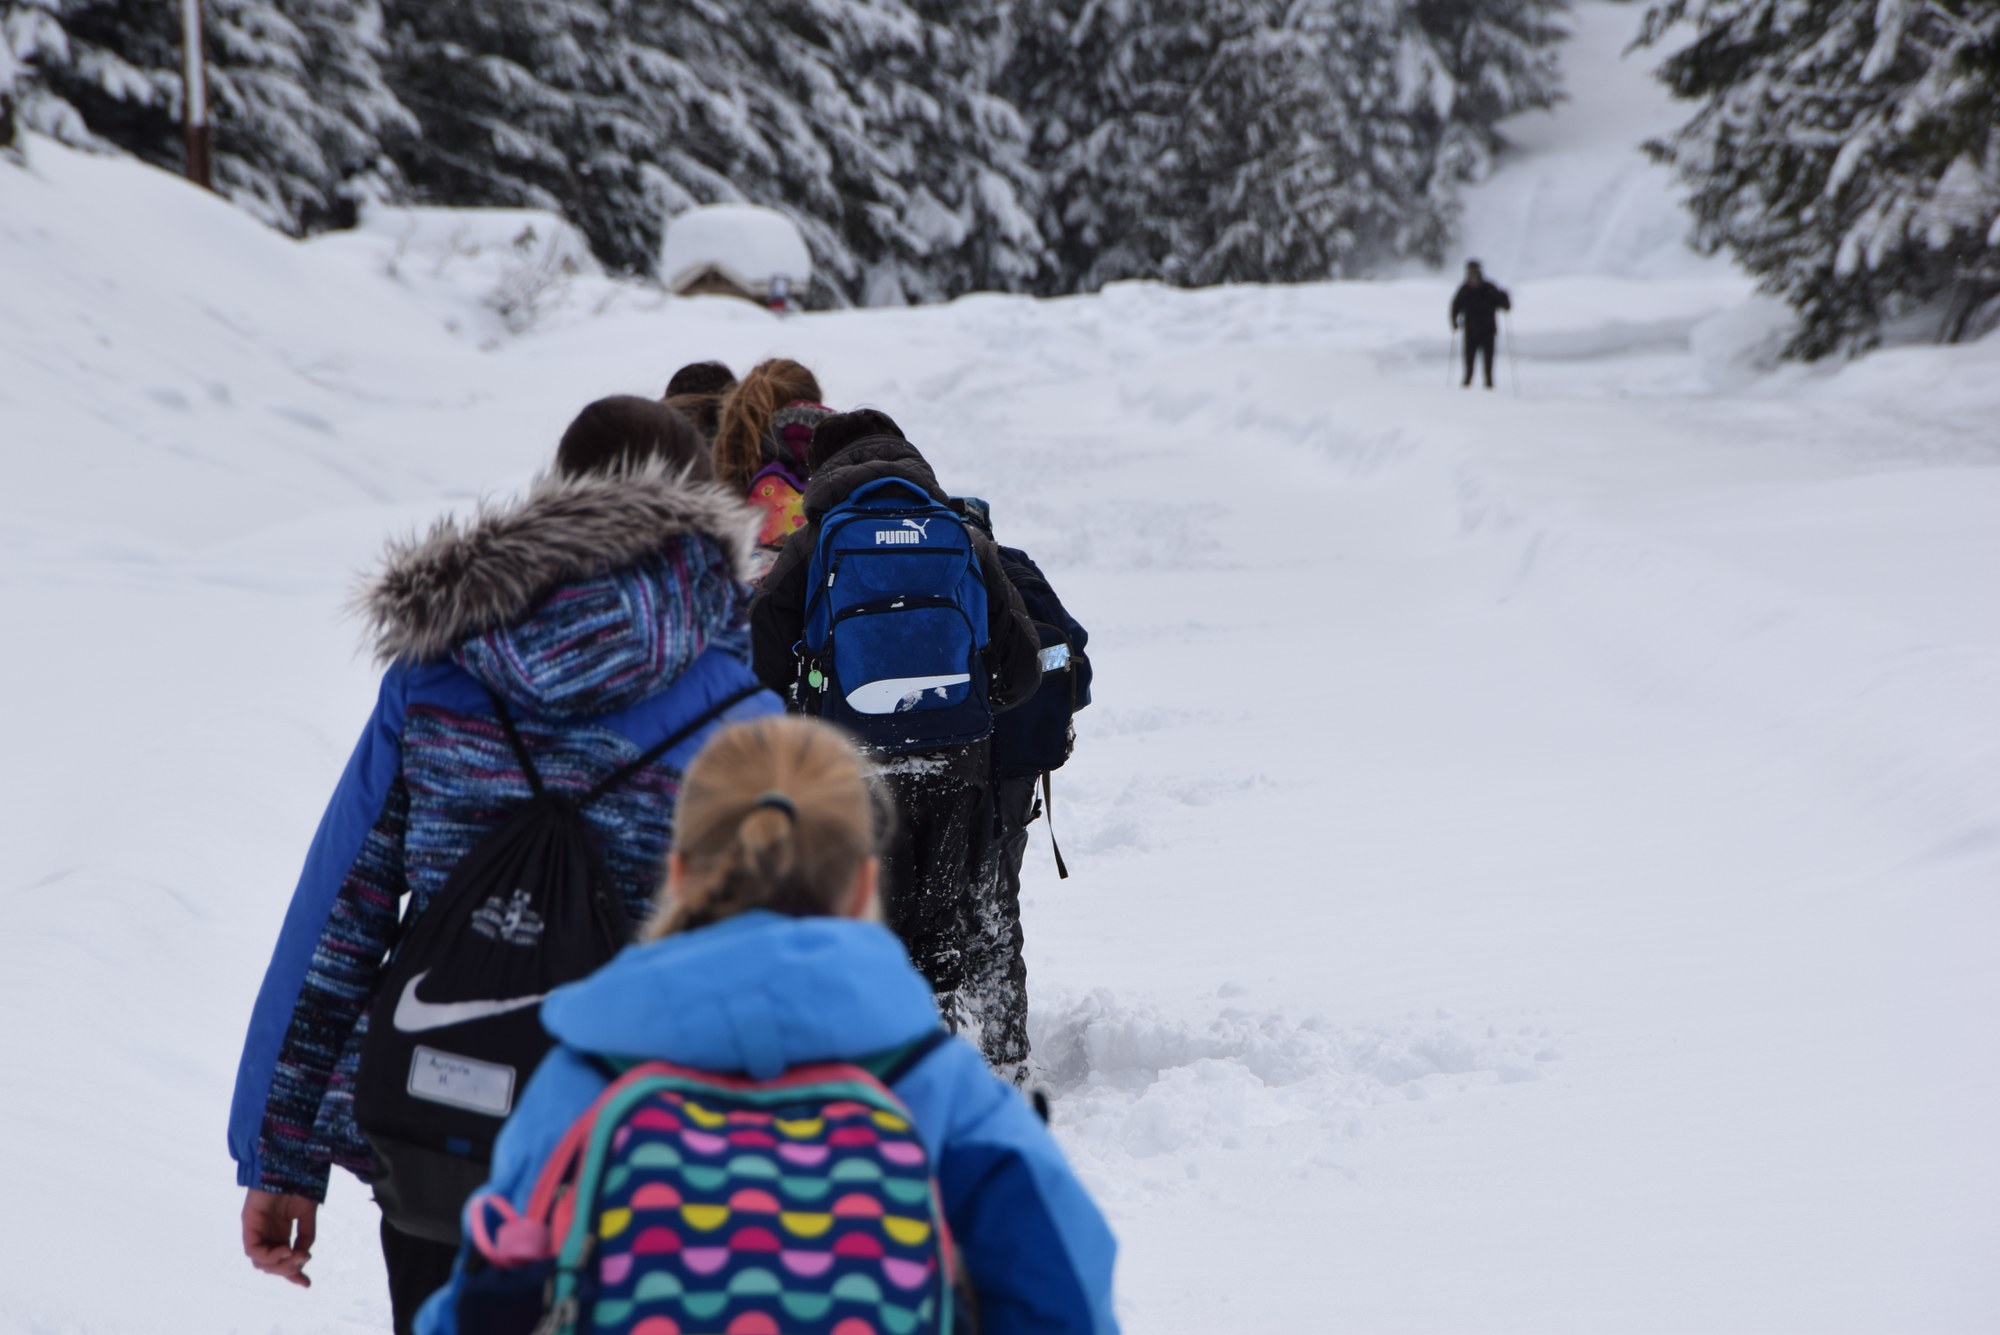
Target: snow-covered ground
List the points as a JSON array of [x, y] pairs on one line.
[[1535, 856]]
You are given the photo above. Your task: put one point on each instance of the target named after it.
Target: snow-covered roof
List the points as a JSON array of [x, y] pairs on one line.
[[746, 244]]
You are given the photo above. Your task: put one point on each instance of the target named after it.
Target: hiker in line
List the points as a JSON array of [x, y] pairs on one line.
[[763, 448], [913, 649], [1476, 308], [767, 956], [696, 392], [595, 618]]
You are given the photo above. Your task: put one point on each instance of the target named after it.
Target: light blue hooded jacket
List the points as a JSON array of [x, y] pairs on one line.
[[759, 993]]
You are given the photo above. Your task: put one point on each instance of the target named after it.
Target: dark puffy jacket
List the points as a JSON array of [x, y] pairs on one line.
[[1479, 306], [608, 613], [778, 616]]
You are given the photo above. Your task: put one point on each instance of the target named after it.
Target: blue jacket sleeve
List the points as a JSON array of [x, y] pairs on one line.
[[561, 1088], [362, 823], [1039, 1253]]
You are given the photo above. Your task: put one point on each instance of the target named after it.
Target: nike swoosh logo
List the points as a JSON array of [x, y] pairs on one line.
[[414, 1015]]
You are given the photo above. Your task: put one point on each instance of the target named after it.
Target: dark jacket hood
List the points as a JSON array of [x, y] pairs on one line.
[[585, 595], [868, 460]]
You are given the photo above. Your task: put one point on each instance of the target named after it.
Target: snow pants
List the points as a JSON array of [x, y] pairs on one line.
[[418, 1268], [997, 991], [1479, 344], [929, 864], [952, 892]]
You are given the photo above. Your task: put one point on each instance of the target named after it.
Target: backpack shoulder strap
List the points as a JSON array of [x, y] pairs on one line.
[[1049, 806], [520, 748], [891, 1066], [611, 1068], [654, 752]]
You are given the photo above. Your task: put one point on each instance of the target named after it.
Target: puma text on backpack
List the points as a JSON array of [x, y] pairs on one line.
[[684, 1201], [454, 1030], [895, 627]]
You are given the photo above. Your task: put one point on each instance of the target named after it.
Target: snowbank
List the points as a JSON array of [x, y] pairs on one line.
[[520, 268]]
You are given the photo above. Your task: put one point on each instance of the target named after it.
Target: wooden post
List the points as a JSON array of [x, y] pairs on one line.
[[194, 105]]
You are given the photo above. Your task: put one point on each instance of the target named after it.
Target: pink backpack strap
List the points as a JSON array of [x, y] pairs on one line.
[[546, 1197], [519, 1242]]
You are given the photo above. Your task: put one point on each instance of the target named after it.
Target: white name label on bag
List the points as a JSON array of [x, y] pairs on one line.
[[462, 1082]]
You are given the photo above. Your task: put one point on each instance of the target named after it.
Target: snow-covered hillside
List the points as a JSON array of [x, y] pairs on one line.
[[1534, 856], [1573, 194]]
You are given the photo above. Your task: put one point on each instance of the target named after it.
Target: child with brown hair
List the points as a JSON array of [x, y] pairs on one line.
[[763, 447], [765, 957], [696, 391]]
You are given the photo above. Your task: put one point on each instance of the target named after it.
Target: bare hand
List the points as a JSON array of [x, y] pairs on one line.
[[268, 1237]]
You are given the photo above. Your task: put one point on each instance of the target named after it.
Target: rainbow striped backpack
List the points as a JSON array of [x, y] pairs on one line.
[[685, 1202]]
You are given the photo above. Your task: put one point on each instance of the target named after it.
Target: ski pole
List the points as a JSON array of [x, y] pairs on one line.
[[1451, 360], [1513, 366]]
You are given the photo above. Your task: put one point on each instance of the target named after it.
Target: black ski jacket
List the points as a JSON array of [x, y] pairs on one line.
[[1479, 306], [778, 613]]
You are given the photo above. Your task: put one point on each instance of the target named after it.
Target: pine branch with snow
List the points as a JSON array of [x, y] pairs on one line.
[[1846, 152]]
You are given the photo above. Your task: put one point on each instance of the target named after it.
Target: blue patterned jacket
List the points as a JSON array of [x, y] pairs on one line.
[[608, 613]]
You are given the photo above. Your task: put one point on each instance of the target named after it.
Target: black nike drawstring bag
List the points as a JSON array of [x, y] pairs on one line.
[[454, 1030]]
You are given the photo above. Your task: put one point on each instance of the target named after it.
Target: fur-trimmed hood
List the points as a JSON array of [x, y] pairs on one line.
[[585, 596], [475, 577]]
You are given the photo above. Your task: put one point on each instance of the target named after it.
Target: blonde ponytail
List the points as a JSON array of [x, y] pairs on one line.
[[775, 814], [747, 413]]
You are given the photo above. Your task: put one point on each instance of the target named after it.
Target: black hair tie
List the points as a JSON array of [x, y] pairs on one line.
[[777, 801]]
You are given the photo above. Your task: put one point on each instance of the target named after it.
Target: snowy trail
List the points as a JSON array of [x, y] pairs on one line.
[[1533, 857]]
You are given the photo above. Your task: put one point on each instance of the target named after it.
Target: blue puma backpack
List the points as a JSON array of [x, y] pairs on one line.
[[895, 627]]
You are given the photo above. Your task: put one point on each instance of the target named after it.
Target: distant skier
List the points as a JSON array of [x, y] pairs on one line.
[[1476, 309]]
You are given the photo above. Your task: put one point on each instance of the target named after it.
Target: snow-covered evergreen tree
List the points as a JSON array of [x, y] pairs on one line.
[[277, 148], [29, 32], [1104, 84], [970, 206], [926, 147], [360, 123], [1297, 159], [104, 74], [294, 95], [869, 121], [1469, 64], [1215, 140], [1847, 152], [518, 106]]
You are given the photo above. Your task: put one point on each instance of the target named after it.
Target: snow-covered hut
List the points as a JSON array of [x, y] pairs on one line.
[[739, 250]]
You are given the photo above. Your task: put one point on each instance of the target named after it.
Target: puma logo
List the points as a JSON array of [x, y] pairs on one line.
[[913, 532]]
